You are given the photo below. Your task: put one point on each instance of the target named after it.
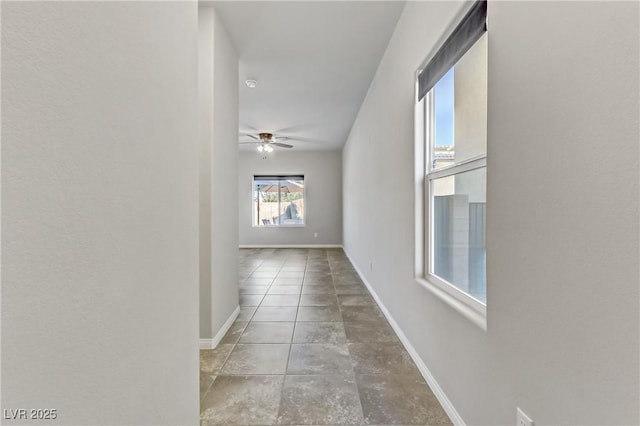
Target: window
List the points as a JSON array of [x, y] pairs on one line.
[[456, 120], [452, 116], [278, 201]]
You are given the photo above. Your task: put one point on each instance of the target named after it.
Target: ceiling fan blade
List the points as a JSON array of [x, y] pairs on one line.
[[247, 126], [303, 127], [245, 143], [282, 145], [252, 136], [303, 139]]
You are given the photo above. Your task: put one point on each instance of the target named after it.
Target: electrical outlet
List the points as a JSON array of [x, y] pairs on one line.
[[522, 418], [315, 235]]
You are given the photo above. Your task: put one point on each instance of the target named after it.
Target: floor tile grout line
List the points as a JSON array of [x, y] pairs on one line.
[[286, 368], [355, 379], [226, 358], [335, 264], [207, 391], [295, 321]]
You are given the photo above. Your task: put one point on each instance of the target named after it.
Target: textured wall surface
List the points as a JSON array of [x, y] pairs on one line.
[[205, 136], [224, 226], [562, 213], [100, 211]]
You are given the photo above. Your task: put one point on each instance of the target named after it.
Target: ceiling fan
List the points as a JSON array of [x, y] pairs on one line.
[[266, 141]]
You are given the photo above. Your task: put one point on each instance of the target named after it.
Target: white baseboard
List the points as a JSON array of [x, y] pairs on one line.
[[290, 246], [206, 343], [448, 407], [213, 343]]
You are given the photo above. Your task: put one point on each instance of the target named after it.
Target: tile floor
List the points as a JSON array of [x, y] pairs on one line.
[[310, 347]]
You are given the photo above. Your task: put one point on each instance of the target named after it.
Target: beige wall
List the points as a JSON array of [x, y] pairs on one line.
[[218, 92], [205, 121], [100, 211], [562, 246]]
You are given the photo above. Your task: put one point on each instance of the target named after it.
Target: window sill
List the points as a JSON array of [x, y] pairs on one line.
[[278, 226], [470, 308]]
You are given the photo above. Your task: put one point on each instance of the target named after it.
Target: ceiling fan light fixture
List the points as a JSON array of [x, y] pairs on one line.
[[251, 84], [266, 142]]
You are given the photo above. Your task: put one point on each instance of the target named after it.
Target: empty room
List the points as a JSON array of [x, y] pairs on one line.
[[320, 212]]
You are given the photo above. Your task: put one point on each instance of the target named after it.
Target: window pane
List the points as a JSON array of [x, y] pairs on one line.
[[265, 202], [278, 202], [460, 109], [292, 202], [458, 231], [444, 121]]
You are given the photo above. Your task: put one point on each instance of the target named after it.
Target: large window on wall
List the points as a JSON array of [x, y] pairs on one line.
[[278, 201], [452, 102]]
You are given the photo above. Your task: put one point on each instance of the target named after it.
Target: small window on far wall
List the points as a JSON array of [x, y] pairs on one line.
[[278, 201], [453, 99]]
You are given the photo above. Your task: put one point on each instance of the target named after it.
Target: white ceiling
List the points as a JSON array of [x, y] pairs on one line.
[[313, 62]]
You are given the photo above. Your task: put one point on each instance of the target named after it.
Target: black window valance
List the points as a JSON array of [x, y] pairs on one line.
[[278, 177], [468, 31]]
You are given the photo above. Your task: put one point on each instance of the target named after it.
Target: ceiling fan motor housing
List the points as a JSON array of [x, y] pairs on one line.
[[266, 137]]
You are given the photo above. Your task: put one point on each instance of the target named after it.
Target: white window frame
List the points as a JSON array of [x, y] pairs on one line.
[[286, 225], [470, 307]]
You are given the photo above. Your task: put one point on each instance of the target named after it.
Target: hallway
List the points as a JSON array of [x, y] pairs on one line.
[[310, 346]]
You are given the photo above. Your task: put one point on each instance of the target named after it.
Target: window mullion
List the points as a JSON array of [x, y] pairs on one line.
[[430, 119], [454, 169], [279, 201]]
